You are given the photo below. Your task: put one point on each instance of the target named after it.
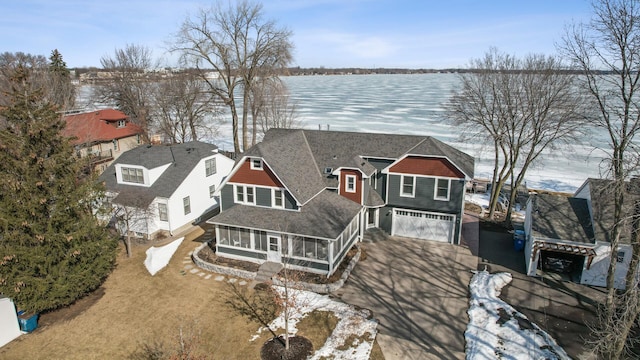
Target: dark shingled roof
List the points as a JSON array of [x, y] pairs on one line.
[[325, 216], [182, 157], [602, 205], [299, 157], [562, 218]]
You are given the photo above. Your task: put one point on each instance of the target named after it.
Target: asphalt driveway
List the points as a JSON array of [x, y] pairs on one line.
[[418, 290]]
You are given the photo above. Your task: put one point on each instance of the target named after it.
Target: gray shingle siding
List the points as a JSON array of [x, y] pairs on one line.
[[263, 196], [226, 197], [424, 195]]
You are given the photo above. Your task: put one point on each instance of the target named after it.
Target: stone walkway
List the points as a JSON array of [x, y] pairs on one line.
[[190, 268]]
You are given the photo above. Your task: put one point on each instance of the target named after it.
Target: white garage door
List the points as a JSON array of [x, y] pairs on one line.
[[423, 225]]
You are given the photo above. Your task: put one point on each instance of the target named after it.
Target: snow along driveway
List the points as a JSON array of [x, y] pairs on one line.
[[497, 331]]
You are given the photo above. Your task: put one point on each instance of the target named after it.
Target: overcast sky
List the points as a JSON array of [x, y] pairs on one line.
[[329, 33]]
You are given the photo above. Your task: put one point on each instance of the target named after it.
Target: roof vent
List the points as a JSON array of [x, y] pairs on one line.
[[335, 157]]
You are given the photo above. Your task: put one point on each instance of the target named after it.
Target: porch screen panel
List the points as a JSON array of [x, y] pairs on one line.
[[224, 235], [245, 238], [322, 249], [260, 240], [310, 250], [298, 246]]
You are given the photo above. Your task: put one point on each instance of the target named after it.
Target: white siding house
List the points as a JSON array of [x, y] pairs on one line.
[[158, 189]]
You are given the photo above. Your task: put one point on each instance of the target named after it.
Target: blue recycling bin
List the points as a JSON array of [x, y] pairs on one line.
[[518, 240], [28, 322]]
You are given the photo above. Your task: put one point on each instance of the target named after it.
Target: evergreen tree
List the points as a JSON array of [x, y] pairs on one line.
[[52, 249], [61, 90]]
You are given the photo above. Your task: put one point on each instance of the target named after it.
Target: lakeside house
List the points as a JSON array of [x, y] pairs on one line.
[[304, 197], [158, 190], [101, 136], [570, 235]]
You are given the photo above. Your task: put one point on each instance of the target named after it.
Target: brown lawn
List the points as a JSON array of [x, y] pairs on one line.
[[133, 309], [137, 308]]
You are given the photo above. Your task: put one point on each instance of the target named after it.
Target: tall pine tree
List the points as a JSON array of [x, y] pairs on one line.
[[52, 249]]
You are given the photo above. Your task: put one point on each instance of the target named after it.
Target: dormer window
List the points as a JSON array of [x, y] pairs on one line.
[[121, 123], [351, 183], [256, 164], [132, 175], [328, 170]]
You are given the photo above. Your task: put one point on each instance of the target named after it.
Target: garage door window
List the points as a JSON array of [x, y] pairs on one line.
[[442, 189]]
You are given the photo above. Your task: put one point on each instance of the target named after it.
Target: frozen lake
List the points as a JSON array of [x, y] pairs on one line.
[[413, 104]]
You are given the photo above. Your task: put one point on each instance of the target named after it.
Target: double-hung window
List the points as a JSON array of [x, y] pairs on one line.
[[212, 190], [408, 186], [245, 194], [162, 212], [186, 202], [278, 200], [210, 166], [132, 175], [351, 183], [442, 189]]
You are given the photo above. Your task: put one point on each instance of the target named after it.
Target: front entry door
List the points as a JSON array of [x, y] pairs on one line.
[[273, 252], [372, 218]]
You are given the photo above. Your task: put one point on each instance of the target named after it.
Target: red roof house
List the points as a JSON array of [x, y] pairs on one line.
[[102, 135]]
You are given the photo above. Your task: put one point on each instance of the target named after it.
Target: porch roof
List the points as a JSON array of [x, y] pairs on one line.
[[325, 216]]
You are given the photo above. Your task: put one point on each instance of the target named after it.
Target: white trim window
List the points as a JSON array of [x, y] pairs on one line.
[[186, 203], [373, 180], [350, 185], [256, 164], [442, 189], [278, 198], [407, 186], [210, 167], [245, 194], [121, 123], [132, 175], [163, 213], [212, 191]]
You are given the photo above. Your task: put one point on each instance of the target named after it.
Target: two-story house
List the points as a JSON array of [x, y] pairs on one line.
[[304, 197], [102, 135], [165, 188]]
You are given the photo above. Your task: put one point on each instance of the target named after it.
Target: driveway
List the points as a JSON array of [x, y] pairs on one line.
[[418, 290]]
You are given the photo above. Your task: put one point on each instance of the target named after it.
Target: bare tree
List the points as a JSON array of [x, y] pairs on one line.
[[129, 88], [239, 47], [53, 78], [611, 42], [185, 111], [132, 218], [523, 107], [271, 108]]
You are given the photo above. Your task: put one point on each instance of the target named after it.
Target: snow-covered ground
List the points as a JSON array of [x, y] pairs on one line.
[[158, 257], [497, 331], [352, 321]]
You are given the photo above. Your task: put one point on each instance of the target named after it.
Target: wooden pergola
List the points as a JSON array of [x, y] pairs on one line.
[[565, 248]]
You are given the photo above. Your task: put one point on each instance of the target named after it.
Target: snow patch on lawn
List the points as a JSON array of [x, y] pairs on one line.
[[158, 257], [352, 321], [497, 331]]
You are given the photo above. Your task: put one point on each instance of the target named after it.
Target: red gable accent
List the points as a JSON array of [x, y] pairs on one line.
[[98, 126], [426, 166], [353, 196], [246, 175]]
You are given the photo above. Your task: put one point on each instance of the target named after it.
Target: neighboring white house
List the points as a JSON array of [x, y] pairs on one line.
[[571, 234], [160, 189]]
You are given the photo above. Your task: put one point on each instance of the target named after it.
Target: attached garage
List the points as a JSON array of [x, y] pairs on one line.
[[423, 225]]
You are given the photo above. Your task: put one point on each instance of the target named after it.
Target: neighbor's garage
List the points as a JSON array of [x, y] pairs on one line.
[[423, 225]]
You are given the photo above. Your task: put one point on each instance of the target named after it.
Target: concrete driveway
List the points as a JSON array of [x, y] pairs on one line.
[[418, 290]]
